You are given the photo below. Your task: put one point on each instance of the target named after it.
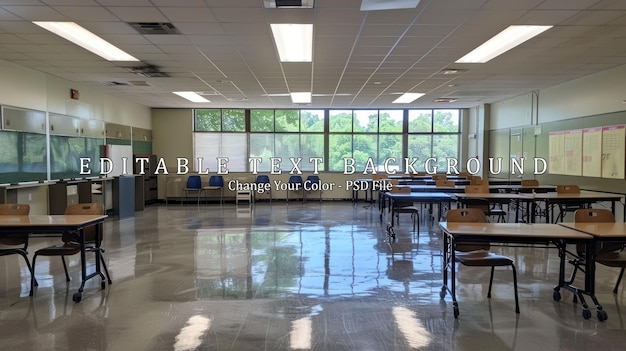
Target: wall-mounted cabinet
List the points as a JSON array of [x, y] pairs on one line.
[[64, 125], [140, 134], [118, 131], [21, 120], [90, 128]]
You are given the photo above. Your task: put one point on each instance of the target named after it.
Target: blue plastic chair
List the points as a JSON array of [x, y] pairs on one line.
[[261, 181], [313, 179], [194, 183], [295, 179]]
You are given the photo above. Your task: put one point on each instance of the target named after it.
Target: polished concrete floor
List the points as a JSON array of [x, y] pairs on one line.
[[292, 277]]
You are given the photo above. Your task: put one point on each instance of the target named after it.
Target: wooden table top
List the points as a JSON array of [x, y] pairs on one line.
[[582, 195], [526, 230], [601, 230], [48, 221]]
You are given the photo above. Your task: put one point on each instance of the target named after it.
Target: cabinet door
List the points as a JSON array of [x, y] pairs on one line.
[[64, 125], [23, 120], [91, 128]]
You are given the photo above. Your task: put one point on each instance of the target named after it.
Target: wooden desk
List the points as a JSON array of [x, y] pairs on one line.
[[53, 224], [601, 232], [583, 198], [536, 233], [429, 198], [496, 198]]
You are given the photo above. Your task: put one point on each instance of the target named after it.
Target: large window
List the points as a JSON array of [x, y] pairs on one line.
[[433, 133], [363, 138]]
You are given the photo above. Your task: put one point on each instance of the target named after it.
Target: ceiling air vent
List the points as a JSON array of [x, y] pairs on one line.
[[154, 27], [272, 4], [147, 72], [116, 84], [444, 99]]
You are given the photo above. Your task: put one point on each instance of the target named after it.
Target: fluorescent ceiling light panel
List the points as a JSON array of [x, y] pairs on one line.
[[87, 40], [301, 98], [293, 41], [191, 96], [502, 42], [374, 5], [407, 98]]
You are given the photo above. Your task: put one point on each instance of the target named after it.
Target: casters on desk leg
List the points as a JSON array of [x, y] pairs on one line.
[[103, 285], [455, 309], [556, 295], [77, 297], [602, 316], [586, 313], [442, 293]]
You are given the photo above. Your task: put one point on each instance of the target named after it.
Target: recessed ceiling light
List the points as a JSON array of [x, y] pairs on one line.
[[502, 42], [294, 42], [374, 5], [407, 98], [301, 97], [191, 96], [87, 40]]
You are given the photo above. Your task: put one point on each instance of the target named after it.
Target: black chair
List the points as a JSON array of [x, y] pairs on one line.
[[405, 206], [565, 208], [16, 244], [478, 254], [70, 240]]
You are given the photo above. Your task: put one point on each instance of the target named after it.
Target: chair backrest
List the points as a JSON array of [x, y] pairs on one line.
[[468, 215], [444, 183], [477, 189], [14, 210], [479, 181], [597, 215], [194, 182], [593, 215], [439, 176], [568, 189], [216, 180], [530, 182], [295, 179], [262, 179], [93, 208], [313, 179]]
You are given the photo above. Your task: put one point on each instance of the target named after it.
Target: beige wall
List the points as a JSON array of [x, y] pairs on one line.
[[25, 88], [29, 89], [172, 135]]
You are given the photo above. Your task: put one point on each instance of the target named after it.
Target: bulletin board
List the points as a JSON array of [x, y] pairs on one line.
[[591, 152], [613, 145], [557, 153]]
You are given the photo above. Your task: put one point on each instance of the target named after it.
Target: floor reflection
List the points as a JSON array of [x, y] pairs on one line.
[[291, 276]]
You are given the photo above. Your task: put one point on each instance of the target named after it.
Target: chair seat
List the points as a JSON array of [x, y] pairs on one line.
[[59, 250], [482, 258], [612, 259]]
